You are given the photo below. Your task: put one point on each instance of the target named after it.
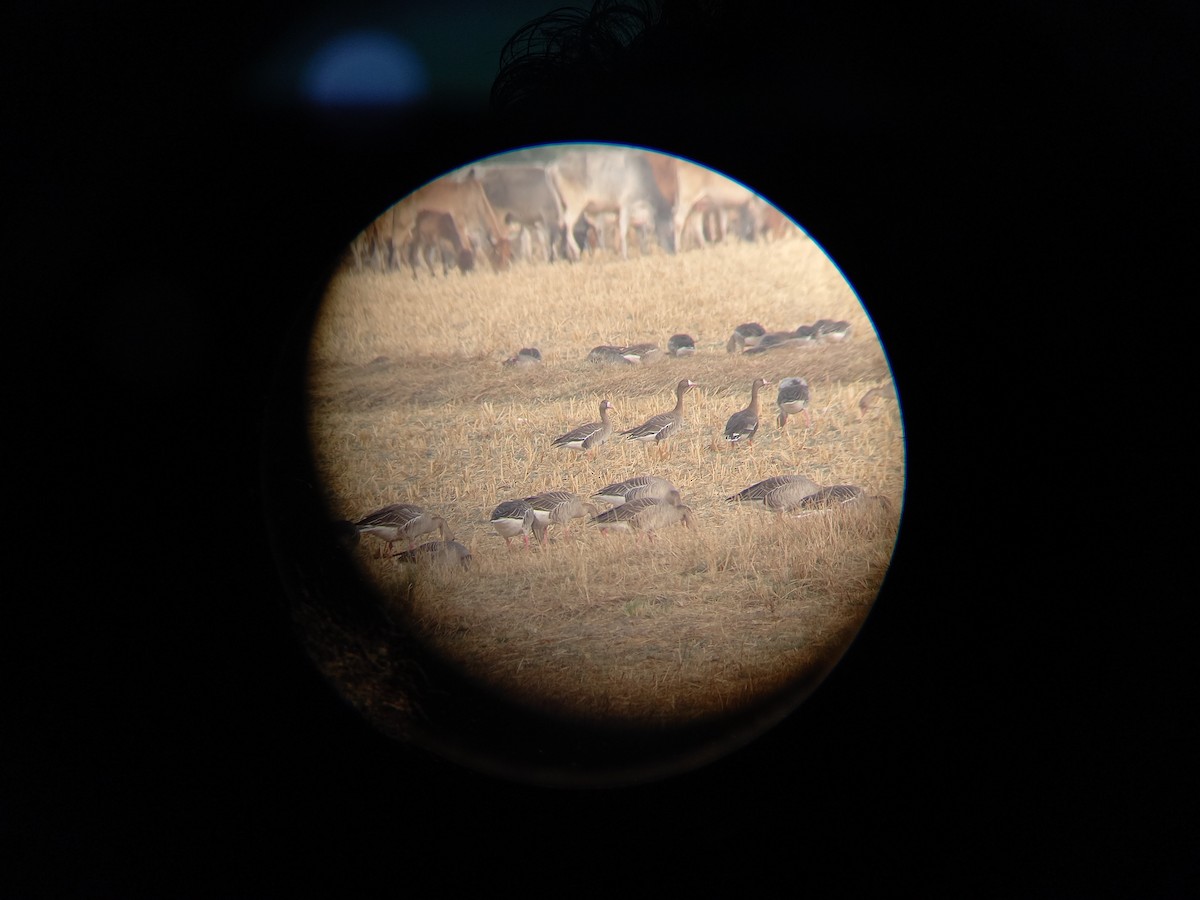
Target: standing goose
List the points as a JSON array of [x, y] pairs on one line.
[[402, 521], [658, 428], [632, 488], [589, 435], [792, 399], [513, 517], [743, 424], [645, 515], [559, 508], [445, 552], [778, 493]]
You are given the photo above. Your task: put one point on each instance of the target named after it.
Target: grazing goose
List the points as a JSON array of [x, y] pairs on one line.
[[642, 354], [559, 508], [832, 331], [402, 521], [513, 517], [886, 391], [445, 552], [748, 334], [776, 339], [658, 428], [526, 356], [681, 345], [645, 515], [838, 496], [610, 354], [743, 425], [778, 493], [633, 488], [590, 435], [792, 399], [807, 333]]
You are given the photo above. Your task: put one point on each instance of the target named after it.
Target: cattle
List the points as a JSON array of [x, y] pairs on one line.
[[438, 234], [524, 195], [703, 201], [372, 246], [609, 180], [463, 199]]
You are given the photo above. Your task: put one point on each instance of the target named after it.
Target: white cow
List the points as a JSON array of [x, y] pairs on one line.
[[523, 195], [609, 180]]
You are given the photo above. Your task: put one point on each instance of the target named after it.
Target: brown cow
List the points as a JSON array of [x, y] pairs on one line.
[[463, 199], [702, 200], [437, 233]]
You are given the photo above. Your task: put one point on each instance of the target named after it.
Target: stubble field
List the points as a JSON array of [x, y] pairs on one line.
[[410, 402]]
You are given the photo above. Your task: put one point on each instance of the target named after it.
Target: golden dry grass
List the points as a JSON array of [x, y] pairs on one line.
[[410, 402]]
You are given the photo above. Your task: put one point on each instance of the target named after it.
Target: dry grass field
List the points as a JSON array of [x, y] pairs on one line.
[[410, 402]]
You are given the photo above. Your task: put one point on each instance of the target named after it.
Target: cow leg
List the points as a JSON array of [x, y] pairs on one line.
[[623, 230]]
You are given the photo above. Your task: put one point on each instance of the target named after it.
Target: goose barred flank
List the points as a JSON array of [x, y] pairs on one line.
[[402, 521], [589, 435], [779, 493], [646, 515], [658, 428], [632, 488], [559, 508]]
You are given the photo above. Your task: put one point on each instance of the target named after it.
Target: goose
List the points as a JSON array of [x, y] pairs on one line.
[[526, 356], [590, 435], [642, 354], [778, 493], [837, 496], [658, 428], [645, 515], [828, 330], [885, 391], [743, 424], [681, 345], [807, 333], [445, 552], [775, 339], [610, 354], [402, 521], [559, 508], [513, 517], [632, 488], [748, 334], [791, 399]]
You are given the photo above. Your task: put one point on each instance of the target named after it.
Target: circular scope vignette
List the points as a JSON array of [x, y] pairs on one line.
[[608, 463]]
